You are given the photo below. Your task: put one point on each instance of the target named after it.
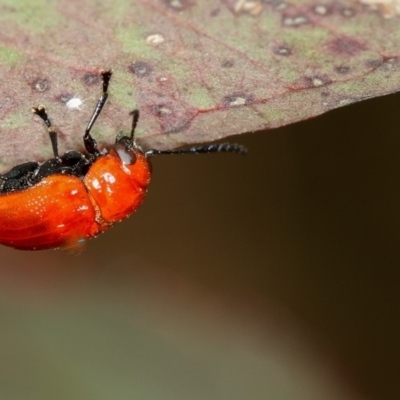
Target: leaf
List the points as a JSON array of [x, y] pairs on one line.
[[197, 70]]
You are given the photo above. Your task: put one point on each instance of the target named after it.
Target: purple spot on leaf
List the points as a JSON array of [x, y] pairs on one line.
[[141, 68], [345, 46], [40, 85], [229, 63], [347, 12], [375, 63], [390, 63], [172, 116], [342, 69], [91, 79], [282, 50]]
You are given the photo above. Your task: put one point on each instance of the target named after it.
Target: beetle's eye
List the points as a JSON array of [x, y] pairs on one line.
[[128, 157]]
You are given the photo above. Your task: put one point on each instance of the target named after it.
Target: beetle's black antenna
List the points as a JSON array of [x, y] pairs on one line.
[[135, 119], [89, 142], [41, 112], [209, 148]]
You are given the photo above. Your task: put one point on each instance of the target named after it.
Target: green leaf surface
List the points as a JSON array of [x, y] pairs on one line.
[[197, 70]]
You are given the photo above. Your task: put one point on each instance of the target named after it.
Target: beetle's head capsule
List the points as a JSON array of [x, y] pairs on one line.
[[126, 150]]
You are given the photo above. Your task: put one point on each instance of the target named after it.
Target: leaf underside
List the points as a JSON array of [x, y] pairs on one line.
[[197, 70]]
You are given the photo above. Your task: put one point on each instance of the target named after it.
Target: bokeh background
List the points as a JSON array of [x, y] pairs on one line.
[[270, 276]]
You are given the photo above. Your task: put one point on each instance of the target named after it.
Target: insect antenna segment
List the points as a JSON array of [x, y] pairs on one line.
[[208, 148]]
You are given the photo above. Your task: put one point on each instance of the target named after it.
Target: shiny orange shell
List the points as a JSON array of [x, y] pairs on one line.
[[64, 210]]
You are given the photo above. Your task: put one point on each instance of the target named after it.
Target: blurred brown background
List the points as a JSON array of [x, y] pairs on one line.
[[273, 275]]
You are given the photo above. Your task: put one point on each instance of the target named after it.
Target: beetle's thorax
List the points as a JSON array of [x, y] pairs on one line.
[[117, 186]]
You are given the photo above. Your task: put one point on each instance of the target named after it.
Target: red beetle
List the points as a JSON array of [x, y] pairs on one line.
[[76, 196]]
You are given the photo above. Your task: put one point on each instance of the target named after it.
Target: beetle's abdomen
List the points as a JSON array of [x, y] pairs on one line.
[[56, 212]]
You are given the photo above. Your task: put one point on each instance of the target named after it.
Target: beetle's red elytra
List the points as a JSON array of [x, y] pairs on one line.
[[74, 197]]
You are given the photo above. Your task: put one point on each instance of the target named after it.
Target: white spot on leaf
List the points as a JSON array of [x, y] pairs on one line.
[[238, 101], [280, 6], [155, 39], [162, 110], [74, 104], [176, 4], [248, 6], [295, 21], [345, 102], [388, 8], [321, 10], [317, 82]]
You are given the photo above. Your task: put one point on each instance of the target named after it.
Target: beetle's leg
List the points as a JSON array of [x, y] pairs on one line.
[[135, 119], [89, 142], [41, 112]]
